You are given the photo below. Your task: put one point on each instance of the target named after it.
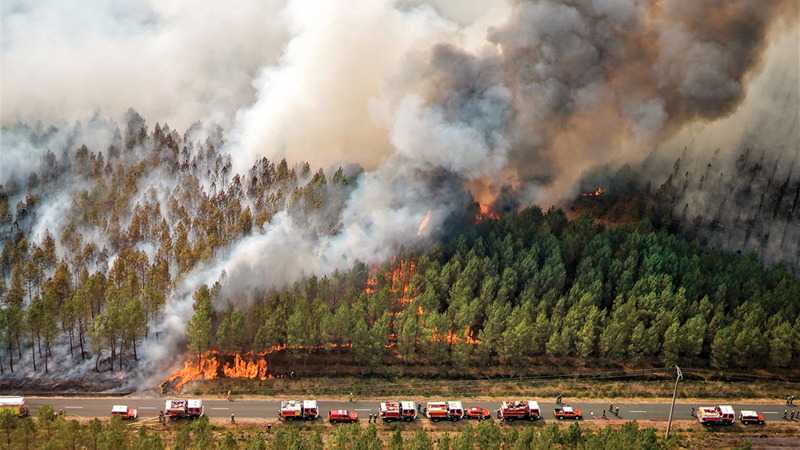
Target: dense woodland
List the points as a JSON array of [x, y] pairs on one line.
[[139, 214], [48, 433], [533, 284]]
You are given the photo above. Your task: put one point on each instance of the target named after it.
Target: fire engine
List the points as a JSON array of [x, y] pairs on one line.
[[716, 415], [567, 412], [298, 410], [342, 416], [14, 404], [184, 409], [748, 417], [398, 410], [519, 410], [478, 413], [124, 413], [436, 411]]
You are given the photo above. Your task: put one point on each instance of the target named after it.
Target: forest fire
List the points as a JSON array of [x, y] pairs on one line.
[[209, 366], [485, 212], [398, 280], [598, 192]]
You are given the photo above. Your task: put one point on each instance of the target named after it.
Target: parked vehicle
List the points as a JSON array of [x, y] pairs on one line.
[[14, 404], [478, 413], [124, 412], [519, 410], [716, 415], [748, 417], [436, 411], [342, 416], [298, 410], [567, 412], [184, 409], [398, 410]]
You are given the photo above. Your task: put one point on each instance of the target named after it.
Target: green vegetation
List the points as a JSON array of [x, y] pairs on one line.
[[51, 433], [534, 285]]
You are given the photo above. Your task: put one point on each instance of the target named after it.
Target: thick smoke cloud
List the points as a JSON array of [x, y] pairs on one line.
[[176, 61]]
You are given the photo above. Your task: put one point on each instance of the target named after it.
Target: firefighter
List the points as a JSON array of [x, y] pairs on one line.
[[233, 419], [785, 414], [161, 416], [558, 399], [692, 411], [604, 414]]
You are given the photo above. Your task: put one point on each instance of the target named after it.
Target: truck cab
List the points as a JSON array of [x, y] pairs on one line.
[[124, 412], [455, 410], [310, 410], [567, 412], [195, 408], [175, 409]]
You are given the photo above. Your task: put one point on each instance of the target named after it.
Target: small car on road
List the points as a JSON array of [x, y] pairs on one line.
[[478, 413], [567, 412]]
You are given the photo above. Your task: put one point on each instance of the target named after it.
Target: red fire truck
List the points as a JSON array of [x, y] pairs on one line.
[[184, 409], [716, 415], [398, 410], [298, 410], [342, 416], [436, 411], [567, 412], [519, 410], [748, 417], [124, 412]]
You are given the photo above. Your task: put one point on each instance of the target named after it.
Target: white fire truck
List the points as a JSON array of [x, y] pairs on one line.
[[519, 410], [14, 404], [184, 409], [436, 411], [398, 410], [124, 412], [298, 410], [716, 415]]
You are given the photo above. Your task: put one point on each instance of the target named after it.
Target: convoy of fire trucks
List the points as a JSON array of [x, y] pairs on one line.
[[407, 411]]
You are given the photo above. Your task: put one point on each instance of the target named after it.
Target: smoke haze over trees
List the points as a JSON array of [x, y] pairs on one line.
[[356, 132]]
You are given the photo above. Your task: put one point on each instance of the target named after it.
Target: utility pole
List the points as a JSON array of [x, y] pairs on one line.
[[678, 377]]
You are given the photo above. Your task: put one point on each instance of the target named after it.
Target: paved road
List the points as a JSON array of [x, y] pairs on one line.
[[267, 409]]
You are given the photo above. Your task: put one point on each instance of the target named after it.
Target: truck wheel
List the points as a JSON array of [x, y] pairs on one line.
[[560, 417], [580, 417]]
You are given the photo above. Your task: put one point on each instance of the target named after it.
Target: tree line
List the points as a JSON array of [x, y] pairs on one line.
[[528, 285], [89, 286]]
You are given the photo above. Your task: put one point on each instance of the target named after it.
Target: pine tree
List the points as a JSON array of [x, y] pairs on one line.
[[198, 331]]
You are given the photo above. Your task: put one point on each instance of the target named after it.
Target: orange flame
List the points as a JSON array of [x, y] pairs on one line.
[[424, 223], [598, 192], [485, 212]]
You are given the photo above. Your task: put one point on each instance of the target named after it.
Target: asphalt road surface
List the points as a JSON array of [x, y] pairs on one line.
[[268, 409]]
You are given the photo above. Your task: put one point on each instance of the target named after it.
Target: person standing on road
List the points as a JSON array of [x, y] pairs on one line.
[[233, 419]]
